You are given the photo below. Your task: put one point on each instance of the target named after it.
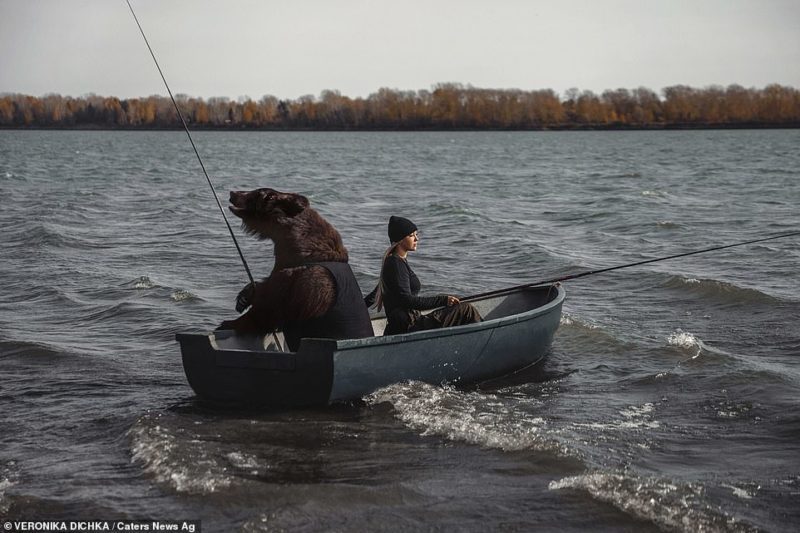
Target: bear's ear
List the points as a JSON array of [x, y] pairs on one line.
[[292, 204]]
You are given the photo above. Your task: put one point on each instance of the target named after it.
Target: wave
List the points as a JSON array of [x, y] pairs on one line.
[[743, 493], [668, 504], [691, 344], [684, 339], [8, 478], [476, 418], [634, 417], [176, 459], [129, 310], [587, 335], [571, 320], [40, 294], [654, 194], [720, 290], [629, 174], [144, 283], [180, 295], [447, 212], [668, 224], [46, 235], [4, 502], [27, 349]]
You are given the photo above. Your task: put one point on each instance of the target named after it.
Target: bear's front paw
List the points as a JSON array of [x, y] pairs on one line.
[[226, 324], [245, 297]]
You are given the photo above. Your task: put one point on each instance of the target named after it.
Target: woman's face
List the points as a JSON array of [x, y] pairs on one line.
[[409, 242]]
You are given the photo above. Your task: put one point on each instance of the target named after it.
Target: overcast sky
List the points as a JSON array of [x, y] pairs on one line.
[[290, 48]]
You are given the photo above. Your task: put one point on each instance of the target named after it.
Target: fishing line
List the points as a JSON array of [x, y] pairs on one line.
[[186, 128], [619, 267]]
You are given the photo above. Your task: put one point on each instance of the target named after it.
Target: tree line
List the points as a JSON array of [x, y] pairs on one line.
[[445, 106]]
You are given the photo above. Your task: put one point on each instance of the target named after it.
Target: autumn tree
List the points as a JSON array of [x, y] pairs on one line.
[[446, 106]]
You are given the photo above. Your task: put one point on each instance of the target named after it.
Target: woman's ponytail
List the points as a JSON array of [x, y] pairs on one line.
[[381, 288]]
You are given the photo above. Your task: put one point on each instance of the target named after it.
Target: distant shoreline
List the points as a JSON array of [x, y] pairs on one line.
[[587, 127], [448, 107]]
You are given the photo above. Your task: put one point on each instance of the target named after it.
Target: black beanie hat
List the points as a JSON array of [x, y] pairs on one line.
[[399, 228]]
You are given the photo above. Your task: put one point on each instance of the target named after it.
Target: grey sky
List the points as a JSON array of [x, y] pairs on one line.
[[290, 48]]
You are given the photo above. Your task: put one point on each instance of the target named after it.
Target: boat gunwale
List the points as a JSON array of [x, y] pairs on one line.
[[337, 345], [381, 340]]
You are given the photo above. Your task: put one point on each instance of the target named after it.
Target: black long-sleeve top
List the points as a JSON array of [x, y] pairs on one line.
[[401, 295]]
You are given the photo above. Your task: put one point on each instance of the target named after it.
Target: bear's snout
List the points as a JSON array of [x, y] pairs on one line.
[[238, 200], [236, 197]]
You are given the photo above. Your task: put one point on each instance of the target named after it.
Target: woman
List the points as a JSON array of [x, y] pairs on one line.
[[399, 287]]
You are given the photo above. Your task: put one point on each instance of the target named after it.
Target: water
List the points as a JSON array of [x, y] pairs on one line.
[[669, 400]]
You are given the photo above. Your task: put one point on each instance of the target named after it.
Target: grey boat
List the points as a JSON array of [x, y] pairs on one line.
[[516, 333]]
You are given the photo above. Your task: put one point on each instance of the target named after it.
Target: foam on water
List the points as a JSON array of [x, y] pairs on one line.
[[152, 288], [4, 504], [5, 484], [143, 282], [667, 224], [634, 417], [743, 493], [684, 339], [669, 504], [180, 295], [8, 477], [244, 461], [179, 460], [476, 418], [571, 320]]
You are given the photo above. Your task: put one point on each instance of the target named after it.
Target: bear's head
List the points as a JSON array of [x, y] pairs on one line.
[[263, 210], [298, 231]]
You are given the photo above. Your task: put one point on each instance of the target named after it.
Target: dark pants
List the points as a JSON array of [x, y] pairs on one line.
[[456, 315]]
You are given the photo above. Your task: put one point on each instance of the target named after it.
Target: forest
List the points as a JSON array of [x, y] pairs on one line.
[[447, 106]]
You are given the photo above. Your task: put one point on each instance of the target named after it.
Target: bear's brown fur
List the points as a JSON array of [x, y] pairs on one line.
[[292, 291]]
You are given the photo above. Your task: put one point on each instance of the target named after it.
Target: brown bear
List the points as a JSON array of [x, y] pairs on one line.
[[311, 291]]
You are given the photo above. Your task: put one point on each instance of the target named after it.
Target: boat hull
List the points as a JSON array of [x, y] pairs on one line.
[[225, 368]]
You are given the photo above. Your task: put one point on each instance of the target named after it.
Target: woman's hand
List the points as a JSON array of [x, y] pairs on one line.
[[452, 300]]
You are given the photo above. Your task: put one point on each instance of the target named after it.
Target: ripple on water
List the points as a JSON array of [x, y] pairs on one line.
[[130, 244]]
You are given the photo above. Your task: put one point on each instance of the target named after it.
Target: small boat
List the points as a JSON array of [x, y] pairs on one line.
[[516, 333]]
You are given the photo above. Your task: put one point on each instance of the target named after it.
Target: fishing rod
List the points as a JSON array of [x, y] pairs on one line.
[[619, 267], [186, 128]]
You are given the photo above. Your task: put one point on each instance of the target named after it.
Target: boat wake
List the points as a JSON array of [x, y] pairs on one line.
[[176, 458], [8, 478], [472, 417], [670, 505], [632, 418], [571, 320]]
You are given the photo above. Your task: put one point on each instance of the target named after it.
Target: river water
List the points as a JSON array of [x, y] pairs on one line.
[[670, 399]]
